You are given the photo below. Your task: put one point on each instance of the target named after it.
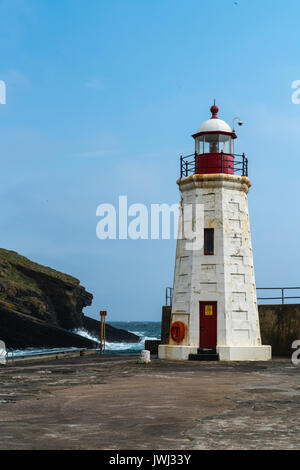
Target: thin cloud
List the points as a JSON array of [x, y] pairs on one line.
[[96, 154], [15, 79], [94, 83]]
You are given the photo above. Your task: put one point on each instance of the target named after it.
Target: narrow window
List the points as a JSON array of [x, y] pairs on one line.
[[209, 245]]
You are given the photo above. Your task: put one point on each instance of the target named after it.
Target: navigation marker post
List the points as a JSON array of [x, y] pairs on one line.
[[103, 314]]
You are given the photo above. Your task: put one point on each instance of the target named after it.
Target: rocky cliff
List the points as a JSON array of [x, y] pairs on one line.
[[39, 306], [41, 292]]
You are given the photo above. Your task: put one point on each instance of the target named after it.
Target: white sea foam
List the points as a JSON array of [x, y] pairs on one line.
[[85, 334], [122, 346]]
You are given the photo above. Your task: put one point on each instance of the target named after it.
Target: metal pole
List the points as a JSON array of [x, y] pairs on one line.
[[104, 328], [101, 336], [282, 295], [181, 166], [103, 314]]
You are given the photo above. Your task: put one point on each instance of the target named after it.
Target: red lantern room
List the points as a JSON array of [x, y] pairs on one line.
[[214, 151]]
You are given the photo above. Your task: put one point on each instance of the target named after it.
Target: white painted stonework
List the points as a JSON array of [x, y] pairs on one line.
[[227, 277], [175, 353], [2, 353], [145, 357]]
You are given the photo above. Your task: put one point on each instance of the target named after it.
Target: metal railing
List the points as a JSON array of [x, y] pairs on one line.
[[169, 295], [282, 297], [239, 164]]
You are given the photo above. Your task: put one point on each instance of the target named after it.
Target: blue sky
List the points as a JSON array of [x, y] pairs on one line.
[[102, 98]]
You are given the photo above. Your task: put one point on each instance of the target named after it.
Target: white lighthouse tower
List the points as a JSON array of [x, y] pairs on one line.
[[214, 310]]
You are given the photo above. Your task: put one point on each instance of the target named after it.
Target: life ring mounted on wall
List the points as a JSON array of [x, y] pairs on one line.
[[177, 331]]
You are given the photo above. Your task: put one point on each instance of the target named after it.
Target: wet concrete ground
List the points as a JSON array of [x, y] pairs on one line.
[[116, 403]]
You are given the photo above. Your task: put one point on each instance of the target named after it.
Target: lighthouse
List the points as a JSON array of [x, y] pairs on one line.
[[214, 309]]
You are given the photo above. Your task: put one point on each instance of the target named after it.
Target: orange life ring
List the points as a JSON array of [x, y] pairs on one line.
[[177, 331]]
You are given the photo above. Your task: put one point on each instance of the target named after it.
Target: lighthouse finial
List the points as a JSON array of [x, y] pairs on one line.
[[214, 111]]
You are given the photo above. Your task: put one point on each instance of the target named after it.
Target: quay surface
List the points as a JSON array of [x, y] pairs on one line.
[[113, 402]]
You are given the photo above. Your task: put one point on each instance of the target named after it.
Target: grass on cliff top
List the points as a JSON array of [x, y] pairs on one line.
[[15, 276]]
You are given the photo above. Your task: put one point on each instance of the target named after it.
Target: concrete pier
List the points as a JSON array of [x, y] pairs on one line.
[[116, 403]]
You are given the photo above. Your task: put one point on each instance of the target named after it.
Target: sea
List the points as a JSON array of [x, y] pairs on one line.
[[145, 330]]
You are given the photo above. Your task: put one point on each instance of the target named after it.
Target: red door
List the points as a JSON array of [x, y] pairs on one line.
[[208, 324]]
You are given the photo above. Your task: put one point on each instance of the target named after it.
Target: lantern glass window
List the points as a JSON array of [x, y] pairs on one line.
[[213, 143], [225, 143], [200, 145]]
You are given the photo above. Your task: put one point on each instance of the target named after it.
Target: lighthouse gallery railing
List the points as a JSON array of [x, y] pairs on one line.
[[240, 164]]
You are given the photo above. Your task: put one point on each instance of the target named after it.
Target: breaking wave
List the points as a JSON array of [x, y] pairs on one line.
[[145, 330]]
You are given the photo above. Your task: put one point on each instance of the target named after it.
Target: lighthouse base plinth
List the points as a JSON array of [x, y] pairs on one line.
[[226, 353], [244, 353], [175, 353]]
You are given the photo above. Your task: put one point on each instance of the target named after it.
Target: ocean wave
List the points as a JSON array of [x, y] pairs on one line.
[[122, 346], [111, 347], [85, 334]]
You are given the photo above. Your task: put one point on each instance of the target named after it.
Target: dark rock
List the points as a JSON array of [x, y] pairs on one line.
[[40, 306], [113, 335], [41, 292], [20, 331]]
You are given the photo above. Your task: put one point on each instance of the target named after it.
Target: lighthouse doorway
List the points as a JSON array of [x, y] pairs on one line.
[[208, 324]]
